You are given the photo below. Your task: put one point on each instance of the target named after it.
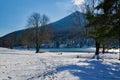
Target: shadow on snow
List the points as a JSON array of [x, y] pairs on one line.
[[96, 70]]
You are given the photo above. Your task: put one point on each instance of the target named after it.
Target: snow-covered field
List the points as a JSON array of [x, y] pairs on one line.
[[27, 65]]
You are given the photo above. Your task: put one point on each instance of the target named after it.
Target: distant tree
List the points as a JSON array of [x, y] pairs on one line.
[[38, 22], [26, 39], [10, 41], [1, 42]]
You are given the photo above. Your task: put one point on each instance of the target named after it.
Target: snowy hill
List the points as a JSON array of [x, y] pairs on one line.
[[26, 65]]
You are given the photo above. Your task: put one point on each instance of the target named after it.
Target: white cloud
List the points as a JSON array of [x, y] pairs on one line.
[[77, 2], [70, 5]]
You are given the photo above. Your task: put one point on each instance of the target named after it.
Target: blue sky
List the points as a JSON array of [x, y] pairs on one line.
[[14, 13]]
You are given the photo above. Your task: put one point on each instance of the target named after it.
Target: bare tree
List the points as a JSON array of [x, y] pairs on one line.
[[37, 22]]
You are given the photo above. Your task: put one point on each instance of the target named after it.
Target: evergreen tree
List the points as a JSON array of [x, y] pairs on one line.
[[107, 21], [110, 19]]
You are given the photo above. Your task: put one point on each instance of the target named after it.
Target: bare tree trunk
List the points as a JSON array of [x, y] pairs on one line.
[[37, 48], [97, 47], [103, 46], [119, 48], [97, 44], [37, 41]]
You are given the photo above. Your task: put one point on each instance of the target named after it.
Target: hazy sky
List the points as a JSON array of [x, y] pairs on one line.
[[14, 13]]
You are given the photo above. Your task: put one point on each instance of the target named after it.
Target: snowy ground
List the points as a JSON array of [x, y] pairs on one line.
[[26, 65]]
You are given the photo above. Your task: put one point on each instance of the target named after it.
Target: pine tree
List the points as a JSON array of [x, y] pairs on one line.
[[109, 20], [105, 25]]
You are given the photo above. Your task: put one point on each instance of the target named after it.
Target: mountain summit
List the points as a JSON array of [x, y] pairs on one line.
[[76, 19]]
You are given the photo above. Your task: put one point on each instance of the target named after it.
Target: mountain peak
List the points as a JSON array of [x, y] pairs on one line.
[[69, 21], [77, 11]]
